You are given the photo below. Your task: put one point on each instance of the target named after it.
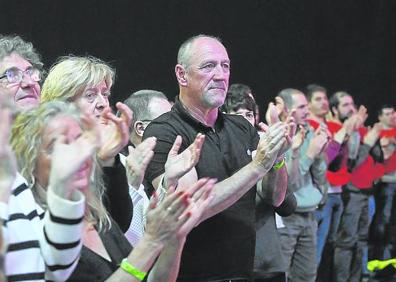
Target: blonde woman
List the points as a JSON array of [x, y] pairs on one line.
[[86, 82], [57, 126]]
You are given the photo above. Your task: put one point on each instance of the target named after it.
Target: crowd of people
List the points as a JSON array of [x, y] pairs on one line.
[[196, 189]]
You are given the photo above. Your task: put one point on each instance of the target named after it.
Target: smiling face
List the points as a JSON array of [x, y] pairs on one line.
[[207, 73], [26, 93], [69, 128]]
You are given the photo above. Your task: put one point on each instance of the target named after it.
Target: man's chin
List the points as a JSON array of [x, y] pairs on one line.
[[27, 103]]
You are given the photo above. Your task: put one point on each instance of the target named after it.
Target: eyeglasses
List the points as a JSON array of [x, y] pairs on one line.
[[15, 75]]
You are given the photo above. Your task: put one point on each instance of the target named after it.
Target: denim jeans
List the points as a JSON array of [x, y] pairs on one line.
[[298, 241], [351, 237], [328, 218]]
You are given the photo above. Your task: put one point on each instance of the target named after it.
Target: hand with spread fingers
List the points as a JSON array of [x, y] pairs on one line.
[[114, 132], [177, 164], [179, 212], [138, 160], [8, 167], [68, 158]]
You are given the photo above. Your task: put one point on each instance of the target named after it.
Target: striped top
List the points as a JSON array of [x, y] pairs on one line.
[[41, 245]]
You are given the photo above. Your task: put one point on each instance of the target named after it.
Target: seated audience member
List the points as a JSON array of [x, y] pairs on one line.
[[269, 262], [86, 81], [36, 250], [146, 105], [59, 137]]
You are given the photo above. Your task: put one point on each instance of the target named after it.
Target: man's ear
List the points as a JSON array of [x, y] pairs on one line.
[[181, 75], [138, 127]]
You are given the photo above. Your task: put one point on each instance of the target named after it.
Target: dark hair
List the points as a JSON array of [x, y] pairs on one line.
[[383, 107], [335, 99], [312, 88], [239, 96]]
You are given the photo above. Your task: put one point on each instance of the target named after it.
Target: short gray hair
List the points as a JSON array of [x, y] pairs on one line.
[[15, 44], [287, 96], [184, 53], [139, 102]]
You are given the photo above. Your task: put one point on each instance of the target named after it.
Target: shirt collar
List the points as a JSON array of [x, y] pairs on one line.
[[182, 111]]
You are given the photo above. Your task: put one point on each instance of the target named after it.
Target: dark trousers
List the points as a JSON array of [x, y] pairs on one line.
[[384, 225], [351, 237]]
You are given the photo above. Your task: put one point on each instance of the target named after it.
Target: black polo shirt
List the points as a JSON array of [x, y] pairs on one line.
[[223, 246]]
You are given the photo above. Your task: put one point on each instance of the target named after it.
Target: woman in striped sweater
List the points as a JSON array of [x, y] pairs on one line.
[[56, 126]]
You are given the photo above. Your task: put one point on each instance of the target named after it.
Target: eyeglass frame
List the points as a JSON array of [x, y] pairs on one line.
[[22, 74]]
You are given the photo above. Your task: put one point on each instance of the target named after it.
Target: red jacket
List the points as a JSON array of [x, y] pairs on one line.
[[342, 176]]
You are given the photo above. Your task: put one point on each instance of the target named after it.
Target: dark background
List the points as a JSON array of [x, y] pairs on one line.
[[273, 44]]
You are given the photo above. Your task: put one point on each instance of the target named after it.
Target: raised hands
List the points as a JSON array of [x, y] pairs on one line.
[[298, 138], [114, 132], [270, 145], [372, 135], [8, 166], [177, 164], [138, 160], [318, 142], [272, 117], [179, 212], [68, 158]]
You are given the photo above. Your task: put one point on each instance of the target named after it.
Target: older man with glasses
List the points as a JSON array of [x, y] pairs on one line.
[[40, 245], [20, 72]]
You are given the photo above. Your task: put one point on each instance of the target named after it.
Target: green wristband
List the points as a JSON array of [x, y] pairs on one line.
[[279, 165], [127, 267]]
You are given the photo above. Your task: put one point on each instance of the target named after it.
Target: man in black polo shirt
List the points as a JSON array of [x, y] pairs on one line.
[[222, 247]]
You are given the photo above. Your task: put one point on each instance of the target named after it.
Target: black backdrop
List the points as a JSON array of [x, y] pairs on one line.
[[273, 44]]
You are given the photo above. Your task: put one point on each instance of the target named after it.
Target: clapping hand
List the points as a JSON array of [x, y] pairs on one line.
[[138, 160], [114, 132], [179, 212], [177, 164], [69, 157]]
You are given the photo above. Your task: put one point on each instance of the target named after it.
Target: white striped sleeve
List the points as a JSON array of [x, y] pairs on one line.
[[61, 239]]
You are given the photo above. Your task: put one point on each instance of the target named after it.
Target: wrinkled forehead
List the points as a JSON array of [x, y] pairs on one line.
[[205, 48], [14, 60]]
